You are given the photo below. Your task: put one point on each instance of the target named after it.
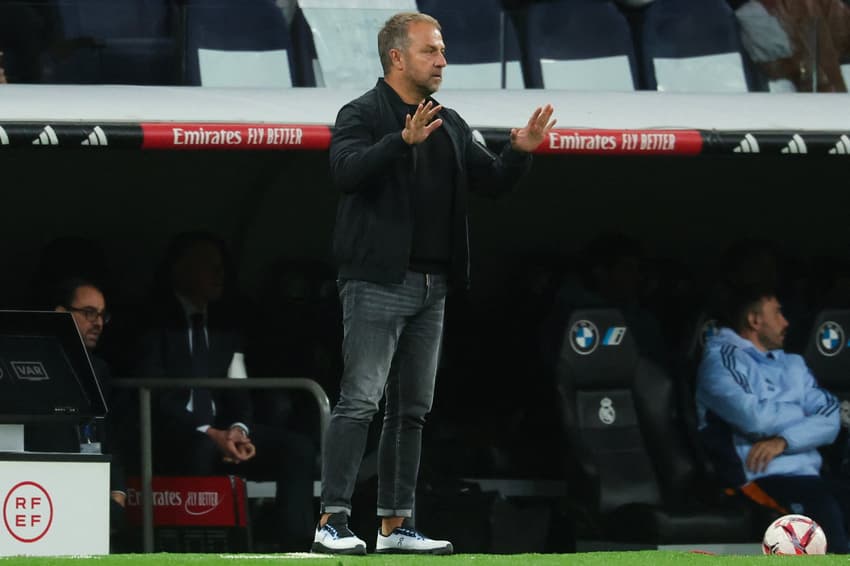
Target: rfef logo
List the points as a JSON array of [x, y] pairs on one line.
[[28, 511]]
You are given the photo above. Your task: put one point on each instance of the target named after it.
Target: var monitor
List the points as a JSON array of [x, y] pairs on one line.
[[45, 371]]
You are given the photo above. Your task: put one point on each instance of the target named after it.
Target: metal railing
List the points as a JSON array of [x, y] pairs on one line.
[[145, 385]]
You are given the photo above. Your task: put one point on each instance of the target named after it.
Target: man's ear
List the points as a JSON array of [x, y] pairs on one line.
[[60, 308], [754, 319], [395, 58]]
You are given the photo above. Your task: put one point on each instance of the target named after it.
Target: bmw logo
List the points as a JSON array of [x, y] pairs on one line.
[[584, 337], [830, 338]]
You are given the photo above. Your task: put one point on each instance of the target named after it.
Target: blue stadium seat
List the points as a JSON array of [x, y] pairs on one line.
[[308, 72], [245, 43], [472, 30], [579, 45], [115, 42], [692, 46]]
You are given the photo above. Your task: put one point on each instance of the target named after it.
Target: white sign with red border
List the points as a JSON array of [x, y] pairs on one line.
[[54, 508]]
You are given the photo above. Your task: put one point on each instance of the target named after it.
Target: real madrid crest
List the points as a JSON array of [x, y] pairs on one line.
[[830, 338], [607, 414], [584, 337]]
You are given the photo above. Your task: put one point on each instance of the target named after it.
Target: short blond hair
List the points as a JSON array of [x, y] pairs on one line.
[[394, 34]]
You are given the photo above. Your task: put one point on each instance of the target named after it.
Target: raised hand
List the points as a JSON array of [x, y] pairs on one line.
[[418, 127], [532, 135]]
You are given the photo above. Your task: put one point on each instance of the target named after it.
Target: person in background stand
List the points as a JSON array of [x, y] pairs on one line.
[[199, 431], [405, 165]]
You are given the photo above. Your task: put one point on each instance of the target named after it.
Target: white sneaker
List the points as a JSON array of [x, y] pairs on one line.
[[337, 538], [408, 541]]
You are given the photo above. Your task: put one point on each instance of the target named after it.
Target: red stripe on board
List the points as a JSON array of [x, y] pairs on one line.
[[623, 142], [235, 136]]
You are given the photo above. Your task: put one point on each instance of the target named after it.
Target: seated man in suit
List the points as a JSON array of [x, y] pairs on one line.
[[200, 431], [762, 415]]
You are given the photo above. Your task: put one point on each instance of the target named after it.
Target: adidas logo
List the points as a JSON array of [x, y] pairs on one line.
[[46, 137], [4, 138], [96, 137], [842, 146], [748, 145], [796, 145]]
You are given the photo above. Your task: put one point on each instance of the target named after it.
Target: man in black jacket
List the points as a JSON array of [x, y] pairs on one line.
[[404, 165]]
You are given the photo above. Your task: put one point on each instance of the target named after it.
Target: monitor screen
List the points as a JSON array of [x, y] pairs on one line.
[[45, 371]]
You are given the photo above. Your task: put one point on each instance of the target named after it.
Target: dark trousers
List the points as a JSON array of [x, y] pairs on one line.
[[824, 500], [288, 459]]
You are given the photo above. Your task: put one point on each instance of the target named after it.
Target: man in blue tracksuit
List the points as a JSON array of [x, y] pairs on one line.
[[762, 416]]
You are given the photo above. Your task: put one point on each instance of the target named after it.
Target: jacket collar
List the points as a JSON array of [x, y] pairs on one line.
[[394, 97], [728, 336]]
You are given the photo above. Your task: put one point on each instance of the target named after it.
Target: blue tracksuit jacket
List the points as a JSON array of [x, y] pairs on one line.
[[744, 395]]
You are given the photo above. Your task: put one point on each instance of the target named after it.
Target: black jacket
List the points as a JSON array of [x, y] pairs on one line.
[[374, 167]]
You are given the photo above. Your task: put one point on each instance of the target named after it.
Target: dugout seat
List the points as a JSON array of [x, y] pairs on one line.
[[477, 32], [827, 353], [692, 46], [579, 45], [634, 475], [239, 44]]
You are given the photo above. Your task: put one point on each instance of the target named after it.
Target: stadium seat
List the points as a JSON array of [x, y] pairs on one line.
[[344, 34], [692, 46], [473, 34], [578, 45], [308, 72], [115, 42], [635, 472], [244, 44]]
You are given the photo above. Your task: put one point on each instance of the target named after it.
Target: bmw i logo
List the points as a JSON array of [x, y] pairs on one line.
[[584, 337], [830, 338]]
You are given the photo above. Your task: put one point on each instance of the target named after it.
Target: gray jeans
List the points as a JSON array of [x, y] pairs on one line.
[[391, 345]]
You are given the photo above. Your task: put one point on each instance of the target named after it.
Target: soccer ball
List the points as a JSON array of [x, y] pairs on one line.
[[794, 534]]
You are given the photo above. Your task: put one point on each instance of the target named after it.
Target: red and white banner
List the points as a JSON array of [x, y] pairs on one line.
[[623, 142], [294, 137], [208, 501], [235, 136]]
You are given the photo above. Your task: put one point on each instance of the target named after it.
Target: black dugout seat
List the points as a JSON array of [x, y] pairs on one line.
[[827, 353], [633, 472]]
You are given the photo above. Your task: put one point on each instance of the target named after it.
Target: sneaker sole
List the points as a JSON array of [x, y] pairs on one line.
[[433, 551], [319, 548]]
